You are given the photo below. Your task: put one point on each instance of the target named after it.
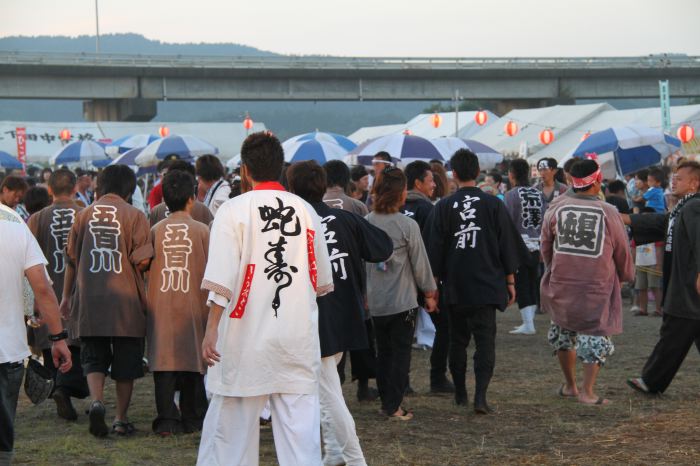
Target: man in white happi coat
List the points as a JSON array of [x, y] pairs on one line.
[[268, 261]]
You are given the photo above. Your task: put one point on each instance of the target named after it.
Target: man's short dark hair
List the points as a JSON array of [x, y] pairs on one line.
[[357, 172], [691, 165], [14, 183], [263, 156], [337, 173], [178, 188], [307, 180], [465, 164], [62, 182], [183, 166], [497, 177], [568, 164], [521, 172], [36, 198], [209, 168], [116, 179], [616, 186], [416, 170], [581, 169], [382, 155]]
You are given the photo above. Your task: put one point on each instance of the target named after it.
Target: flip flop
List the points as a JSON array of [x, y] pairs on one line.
[[599, 402], [638, 385], [561, 393], [640, 313], [404, 416]]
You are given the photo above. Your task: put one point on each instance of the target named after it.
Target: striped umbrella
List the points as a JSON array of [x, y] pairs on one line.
[[322, 137], [184, 147], [121, 145], [310, 149], [628, 148], [488, 157], [79, 151], [9, 162], [402, 148]]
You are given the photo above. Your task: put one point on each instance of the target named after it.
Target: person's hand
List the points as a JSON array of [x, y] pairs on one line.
[[626, 219], [64, 308], [697, 284], [511, 294], [209, 353], [61, 356], [430, 305]]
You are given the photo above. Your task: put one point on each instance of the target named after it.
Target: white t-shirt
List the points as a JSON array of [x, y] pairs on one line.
[[217, 195], [19, 251]]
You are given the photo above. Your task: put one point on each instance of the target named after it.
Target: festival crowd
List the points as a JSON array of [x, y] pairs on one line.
[[246, 294]]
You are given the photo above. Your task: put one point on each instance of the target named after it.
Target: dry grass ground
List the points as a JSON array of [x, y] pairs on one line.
[[532, 426]]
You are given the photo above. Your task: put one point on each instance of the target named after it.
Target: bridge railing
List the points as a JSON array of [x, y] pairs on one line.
[[319, 62]]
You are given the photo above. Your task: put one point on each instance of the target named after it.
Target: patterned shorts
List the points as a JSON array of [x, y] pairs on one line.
[[589, 349]]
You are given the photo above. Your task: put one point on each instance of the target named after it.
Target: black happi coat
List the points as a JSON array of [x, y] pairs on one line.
[[682, 262], [351, 240], [472, 245], [417, 207]]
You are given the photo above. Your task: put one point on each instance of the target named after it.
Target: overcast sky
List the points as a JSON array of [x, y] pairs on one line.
[[465, 28]]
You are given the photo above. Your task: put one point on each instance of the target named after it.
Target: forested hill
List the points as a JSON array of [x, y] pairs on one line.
[[123, 43]]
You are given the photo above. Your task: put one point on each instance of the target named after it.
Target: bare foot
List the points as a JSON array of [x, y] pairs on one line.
[[566, 391], [592, 399]]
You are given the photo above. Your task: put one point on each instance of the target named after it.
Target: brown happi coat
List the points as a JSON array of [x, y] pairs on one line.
[[50, 226], [177, 309], [200, 212], [107, 242]]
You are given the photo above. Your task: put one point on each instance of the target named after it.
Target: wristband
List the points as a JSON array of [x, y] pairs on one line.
[[59, 336]]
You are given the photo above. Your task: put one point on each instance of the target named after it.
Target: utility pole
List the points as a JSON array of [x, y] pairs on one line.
[[97, 28]]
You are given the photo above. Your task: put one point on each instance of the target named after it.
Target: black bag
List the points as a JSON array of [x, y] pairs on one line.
[[38, 382]]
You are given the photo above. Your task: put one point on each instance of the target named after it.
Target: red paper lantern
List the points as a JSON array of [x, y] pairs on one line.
[[407, 132], [163, 131], [64, 135], [546, 137], [685, 133], [437, 120], [511, 128], [480, 117], [247, 123], [585, 136]]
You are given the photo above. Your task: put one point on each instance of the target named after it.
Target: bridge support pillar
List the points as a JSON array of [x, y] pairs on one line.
[[504, 106], [120, 109]]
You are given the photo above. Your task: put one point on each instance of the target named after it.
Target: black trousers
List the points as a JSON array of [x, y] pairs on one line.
[[11, 376], [677, 336], [441, 344], [394, 339], [527, 281], [364, 361], [73, 382], [192, 400], [478, 322]]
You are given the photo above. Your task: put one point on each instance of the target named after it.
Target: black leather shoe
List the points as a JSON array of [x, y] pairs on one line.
[[442, 386], [461, 397], [480, 404], [365, 393], [64, 407]]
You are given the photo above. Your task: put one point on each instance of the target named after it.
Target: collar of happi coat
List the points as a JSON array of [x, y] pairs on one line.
[[269, 186]]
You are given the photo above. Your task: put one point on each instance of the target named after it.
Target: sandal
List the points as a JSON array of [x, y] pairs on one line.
[[404, 416], [123, 428], [640, 313], [561, 393], [639, 385]]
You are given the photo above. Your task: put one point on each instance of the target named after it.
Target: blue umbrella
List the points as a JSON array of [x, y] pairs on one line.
[[628, 148], [79, 151], [322, 137], [121, 145], [401, 147], [184, 147], [310, 149], [129, 158], [9, 162]]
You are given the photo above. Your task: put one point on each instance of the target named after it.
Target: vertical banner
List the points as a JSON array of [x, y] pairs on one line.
[[665, 97], [21, 137]]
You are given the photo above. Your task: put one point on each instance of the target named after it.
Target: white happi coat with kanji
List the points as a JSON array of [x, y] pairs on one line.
[[268, 258]]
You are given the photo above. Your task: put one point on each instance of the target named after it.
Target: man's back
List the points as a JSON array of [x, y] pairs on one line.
[[268, 257], [336, 198]]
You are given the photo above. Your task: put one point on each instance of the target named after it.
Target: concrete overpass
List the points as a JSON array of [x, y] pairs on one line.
[[127, 87]]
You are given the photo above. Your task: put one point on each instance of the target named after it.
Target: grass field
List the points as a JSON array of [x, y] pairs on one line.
[[532, 424]]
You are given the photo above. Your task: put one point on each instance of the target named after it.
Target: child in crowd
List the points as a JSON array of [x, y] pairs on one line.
[[177, 311], [640, 183], [648, 263], [654, 196]]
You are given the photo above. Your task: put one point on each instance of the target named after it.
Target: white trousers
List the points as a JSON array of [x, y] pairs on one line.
[[340, 441], [231, 431]]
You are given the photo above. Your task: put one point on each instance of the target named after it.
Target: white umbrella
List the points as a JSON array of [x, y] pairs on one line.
[[184, 147], [488, 157]]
